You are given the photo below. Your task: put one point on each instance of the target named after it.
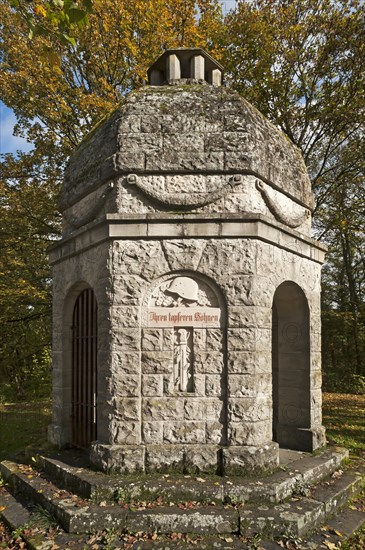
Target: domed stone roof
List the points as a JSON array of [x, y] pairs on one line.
[[183, 129]]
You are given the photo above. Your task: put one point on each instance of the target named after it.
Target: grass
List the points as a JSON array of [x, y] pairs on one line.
[[344, 418], [22, 424]]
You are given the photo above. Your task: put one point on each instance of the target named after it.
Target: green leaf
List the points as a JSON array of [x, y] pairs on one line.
[[67, 39], [76, 15]]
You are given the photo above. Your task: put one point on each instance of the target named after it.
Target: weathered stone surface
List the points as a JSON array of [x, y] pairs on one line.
[[151, 339], [124, 316], [157, 362], [129, 409], [209, 362], [214, 340], [187, 521], [259, 144], [213, 409], [200, 459], [194, 409], [249, 459], [214, 433], [267, 507], [249, 434], [124, 362], [295, 516], [165, 458], [152, 433], [213, 385], [188, 214], [183, 254], [129, 385], [163, 408], [248, 362], [129, 339], [118, 458], [251, 409], [126, 433], [192, 432], [152, 385], [249, 385]]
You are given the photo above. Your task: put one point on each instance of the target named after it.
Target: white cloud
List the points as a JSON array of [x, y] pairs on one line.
[[8, 142]]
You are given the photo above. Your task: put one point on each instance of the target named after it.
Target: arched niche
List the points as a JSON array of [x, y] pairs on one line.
[[80, 328], [184, 361], [290, 366]]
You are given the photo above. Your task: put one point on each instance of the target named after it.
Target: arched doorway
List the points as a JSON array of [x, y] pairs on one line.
[[84, 369], [290, 367]]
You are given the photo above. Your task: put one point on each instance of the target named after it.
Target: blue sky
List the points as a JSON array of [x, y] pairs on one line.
[[10, 143]]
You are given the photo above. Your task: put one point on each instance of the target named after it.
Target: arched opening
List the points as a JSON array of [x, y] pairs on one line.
[[84, 369], [290, 367]]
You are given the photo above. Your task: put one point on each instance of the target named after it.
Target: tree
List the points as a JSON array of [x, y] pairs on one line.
[[302, 63], [341, 220], [28, 223], [59, 89]]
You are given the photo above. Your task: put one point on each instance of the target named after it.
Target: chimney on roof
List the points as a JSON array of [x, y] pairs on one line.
[[185, 66]]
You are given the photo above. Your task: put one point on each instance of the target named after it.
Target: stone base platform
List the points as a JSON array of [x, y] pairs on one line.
[[218, 512], [184, 459]]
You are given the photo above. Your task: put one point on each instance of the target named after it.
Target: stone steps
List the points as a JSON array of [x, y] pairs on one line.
[[18, 515], [78, 516], [297, 515], [301, 472]]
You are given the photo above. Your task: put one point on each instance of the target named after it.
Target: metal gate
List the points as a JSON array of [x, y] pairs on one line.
[[84, 368]]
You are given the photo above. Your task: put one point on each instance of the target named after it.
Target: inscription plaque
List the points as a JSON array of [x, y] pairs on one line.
[[197, 317]]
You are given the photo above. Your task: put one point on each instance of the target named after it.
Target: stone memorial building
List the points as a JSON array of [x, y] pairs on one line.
[[186, 311]]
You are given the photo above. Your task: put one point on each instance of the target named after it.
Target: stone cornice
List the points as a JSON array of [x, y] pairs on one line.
[[162, 226]]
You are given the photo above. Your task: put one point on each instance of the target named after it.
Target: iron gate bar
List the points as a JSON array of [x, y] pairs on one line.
[[84, 369]]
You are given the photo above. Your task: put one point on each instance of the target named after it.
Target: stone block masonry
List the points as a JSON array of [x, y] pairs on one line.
[[188, 216]]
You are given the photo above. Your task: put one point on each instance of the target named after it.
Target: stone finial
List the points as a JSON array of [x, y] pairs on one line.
[[215, 77], [185, 66], [197, 65], [173, 69]]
